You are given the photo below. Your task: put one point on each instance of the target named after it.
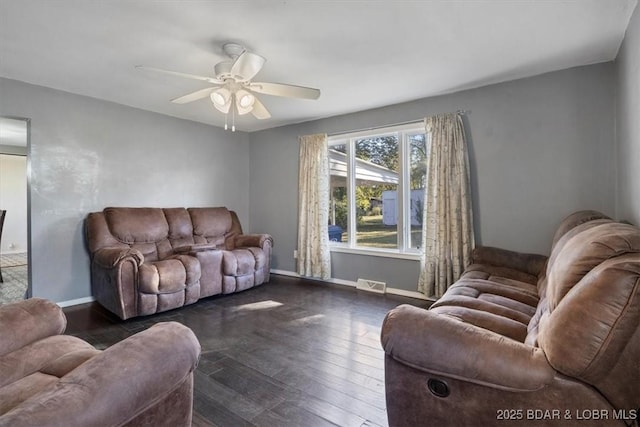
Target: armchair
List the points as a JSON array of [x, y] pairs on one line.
[[51, 379]]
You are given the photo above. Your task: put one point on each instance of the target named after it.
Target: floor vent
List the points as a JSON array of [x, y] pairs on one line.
[[371, 286]]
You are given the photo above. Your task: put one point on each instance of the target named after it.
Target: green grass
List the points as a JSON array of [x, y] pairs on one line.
[[373, 233]]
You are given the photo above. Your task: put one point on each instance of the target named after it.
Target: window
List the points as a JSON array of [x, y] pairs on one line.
[[378, 179]]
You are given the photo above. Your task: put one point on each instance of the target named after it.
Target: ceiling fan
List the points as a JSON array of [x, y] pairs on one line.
[[232, 87]]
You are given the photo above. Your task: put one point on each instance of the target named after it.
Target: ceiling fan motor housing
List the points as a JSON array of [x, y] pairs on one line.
[[223, 70], [233, 50]]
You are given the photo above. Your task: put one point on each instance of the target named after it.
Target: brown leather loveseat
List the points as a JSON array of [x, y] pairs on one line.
[[51, 379], [149, 260], [523, 339]]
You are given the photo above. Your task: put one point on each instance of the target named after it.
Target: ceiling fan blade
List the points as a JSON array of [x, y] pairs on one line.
[[211, 80], [259, 111], [247, 66], [194, 96], [289, 91]]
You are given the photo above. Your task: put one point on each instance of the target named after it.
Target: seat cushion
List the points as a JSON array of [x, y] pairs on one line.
[[490, 321], [239, 262], [485, 289], [170, 275], [504, 307]]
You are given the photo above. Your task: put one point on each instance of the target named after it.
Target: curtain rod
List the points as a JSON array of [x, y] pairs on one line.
[[393, 124]]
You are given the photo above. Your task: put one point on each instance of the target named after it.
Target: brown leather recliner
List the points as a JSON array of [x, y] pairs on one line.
[[525, 339], [149, 260], [50, 379]]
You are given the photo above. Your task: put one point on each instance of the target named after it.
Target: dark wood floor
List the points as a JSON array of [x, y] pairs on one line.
[[292, 352]]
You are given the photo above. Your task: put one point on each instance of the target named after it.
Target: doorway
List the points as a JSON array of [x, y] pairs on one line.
[[14, 199]]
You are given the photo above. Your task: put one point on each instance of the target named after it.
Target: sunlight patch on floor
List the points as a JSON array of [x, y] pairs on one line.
[[262, 305]]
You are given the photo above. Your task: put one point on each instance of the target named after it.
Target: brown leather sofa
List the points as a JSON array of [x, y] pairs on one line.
[[148, 260], [50, 379], [523, 339]]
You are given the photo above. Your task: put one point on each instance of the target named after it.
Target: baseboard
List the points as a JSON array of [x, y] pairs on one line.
[[392, 291], [78, 301]]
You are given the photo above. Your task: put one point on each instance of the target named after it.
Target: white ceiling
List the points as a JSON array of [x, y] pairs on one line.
[[361, 54]]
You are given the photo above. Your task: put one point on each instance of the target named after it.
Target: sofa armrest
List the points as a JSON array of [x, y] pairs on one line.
[[119, 384], [443, 345], [252, 240], [27, 321], [110, 257], [530, 263]]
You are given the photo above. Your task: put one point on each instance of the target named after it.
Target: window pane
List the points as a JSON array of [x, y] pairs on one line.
[[377, 167], [418, 178], [338, 205]]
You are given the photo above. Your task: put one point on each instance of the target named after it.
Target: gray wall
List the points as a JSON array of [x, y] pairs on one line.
[[540, 148], [628, 123], [87, 154]]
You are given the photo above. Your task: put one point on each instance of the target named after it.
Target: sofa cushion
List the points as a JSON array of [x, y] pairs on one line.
[[593, 333], [582, 252], [137, 225], [239, 262], [486, 320], [497, 305], [574, 220], [25, 322], [210, 224], [504, 275], [170, 275], [43, 360], [180, 227], [562, 241], [484, 289], [17, 392]]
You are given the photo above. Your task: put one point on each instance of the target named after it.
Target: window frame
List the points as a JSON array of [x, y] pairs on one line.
[[404, 132]]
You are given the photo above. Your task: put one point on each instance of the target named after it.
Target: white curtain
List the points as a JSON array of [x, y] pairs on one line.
[[314, 258], [447, 229]]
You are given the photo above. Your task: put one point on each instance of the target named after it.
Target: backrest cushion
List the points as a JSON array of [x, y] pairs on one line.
[[98, 234], [180, 227], [559, 245], [593, 333], [590, 327], [574, 220], [560, 288], [144, 229], [568, 227], [210, 225], [585, 250]]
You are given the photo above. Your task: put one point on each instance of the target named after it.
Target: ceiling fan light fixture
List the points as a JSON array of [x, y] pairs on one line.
[[221, 99], [244, 101]]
